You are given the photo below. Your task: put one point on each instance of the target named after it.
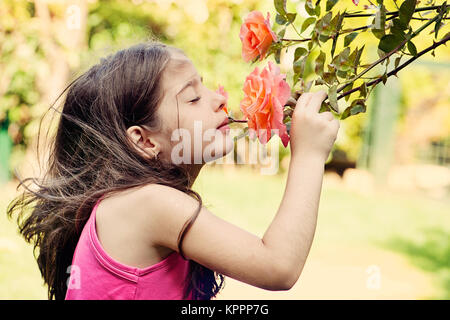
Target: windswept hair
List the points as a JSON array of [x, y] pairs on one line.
[[91, 156]]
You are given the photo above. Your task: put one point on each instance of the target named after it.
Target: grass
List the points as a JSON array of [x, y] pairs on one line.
[[414, 227]]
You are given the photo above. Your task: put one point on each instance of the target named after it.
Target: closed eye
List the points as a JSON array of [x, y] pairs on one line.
[[195, 100]]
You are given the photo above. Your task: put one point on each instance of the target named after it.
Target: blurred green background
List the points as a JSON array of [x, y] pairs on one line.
[[384, 227]]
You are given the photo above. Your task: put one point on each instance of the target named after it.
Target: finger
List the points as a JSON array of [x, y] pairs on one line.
[[327, 115], [304, 99], [316, 101], [336, 124]]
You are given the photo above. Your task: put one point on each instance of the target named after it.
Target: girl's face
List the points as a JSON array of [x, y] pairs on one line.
[[200, 113]]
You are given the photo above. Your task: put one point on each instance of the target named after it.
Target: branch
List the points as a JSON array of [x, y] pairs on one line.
[[394, 72], [354, 15], [296, 40], [415, 33], [340, 33], [236, 120]]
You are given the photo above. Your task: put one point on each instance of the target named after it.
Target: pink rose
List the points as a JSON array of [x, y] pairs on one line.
[[355, 2], [256, 36], [265, 95]]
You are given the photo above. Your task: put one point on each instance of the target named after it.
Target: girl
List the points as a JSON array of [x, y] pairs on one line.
[[114, 210]]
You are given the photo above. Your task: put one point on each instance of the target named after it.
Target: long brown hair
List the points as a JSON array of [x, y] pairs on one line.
[[91, 156]]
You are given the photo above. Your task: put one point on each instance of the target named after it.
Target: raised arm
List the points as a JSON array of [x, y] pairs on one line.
[[275, 261]]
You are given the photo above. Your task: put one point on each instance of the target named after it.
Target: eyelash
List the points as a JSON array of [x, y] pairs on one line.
[[195, 100]]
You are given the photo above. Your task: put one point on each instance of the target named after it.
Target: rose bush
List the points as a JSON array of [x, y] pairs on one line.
[[342, 71]]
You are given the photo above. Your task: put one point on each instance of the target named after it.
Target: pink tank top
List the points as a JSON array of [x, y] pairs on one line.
[[94, 275]]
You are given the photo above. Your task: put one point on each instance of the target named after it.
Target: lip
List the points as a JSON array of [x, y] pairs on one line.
[[224, 124], [224, 128]]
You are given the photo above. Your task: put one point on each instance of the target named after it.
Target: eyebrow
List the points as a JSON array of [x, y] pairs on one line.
[[190, 83]]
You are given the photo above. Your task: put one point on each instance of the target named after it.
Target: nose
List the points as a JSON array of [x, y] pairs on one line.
[[221, 101]]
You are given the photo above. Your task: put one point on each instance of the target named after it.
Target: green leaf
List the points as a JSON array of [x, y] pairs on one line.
[[330, 4], [345, 114], [340, 62], [323, 37], [291, 17], [348, 87], [438, 25], [313, 40], [280, 19], [280, 6], [326, 19], [406, 11], [330, 77], [320, 61], [389, 42], [446, 35], [357, 106], [281, 33], [299, 52], [379, 23], [358, 58], [363, 90], [384, 78], [342, 74], [309, 7], [340, 19], [299, 66], [332, 96], [397, 24], [277, 55], [397, 62], [351, 61], [317, 9], [325, 106], [319, 81], [307, 23], [349, 38], [344, 55], [412, 48]]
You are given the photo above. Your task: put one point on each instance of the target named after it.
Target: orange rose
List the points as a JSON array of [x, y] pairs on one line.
[[265, 95], [225, 94], [256, 36]]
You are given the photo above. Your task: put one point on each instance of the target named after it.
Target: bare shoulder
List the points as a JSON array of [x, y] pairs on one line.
[[150, 208], [161, 207], [161, 197], [144, 198], [126, 217]]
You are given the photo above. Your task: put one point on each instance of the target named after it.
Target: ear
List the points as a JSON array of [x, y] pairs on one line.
[[144, 140]]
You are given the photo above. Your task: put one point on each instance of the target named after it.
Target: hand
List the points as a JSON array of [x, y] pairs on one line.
[[312, 132]]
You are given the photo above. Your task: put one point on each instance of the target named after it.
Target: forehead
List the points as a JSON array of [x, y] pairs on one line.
[[178, 72]]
